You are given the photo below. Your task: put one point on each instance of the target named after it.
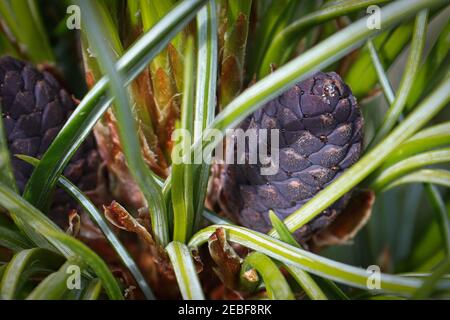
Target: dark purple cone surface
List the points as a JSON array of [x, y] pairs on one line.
[[34, 109], [321, 133]]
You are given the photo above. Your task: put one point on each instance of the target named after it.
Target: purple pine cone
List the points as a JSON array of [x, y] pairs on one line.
[[321, 135], [34, 108]]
